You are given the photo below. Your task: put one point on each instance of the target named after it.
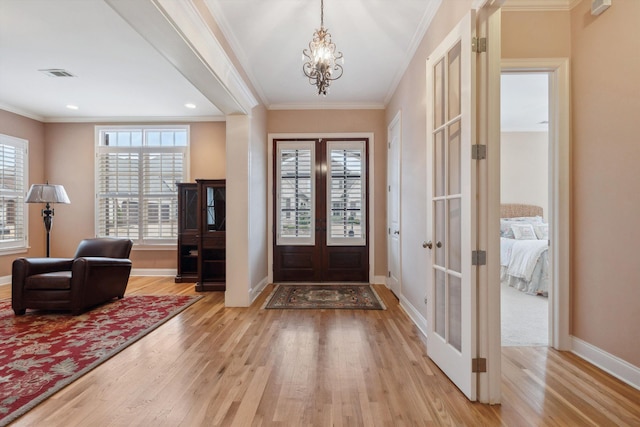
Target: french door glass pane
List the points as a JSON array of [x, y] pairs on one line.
[[346, 198], [453, 159], [438, 94], [295, 193], [439, 162], [454, 241], [454, 310], [440, 304], [453, 99]]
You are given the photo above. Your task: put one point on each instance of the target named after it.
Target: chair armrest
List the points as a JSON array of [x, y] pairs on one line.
[[29, 266], [96, 279]]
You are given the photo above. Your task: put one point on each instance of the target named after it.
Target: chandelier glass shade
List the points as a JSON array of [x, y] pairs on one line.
[[322, 61]]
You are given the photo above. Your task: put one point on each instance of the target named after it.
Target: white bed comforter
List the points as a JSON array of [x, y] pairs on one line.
[[519, 257]]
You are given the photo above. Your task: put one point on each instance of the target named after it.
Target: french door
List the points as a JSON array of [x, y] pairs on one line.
[[451, 195], [320, 210]]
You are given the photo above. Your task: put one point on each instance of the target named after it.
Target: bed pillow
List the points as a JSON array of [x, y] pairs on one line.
[[523, 231], [505, 224], [542, 231]]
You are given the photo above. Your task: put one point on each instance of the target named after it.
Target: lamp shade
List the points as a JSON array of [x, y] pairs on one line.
[[47, 193]]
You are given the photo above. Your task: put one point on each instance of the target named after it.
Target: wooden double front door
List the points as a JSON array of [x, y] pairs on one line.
[[320, 210]]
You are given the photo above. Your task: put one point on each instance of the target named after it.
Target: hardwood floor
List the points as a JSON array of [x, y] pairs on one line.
[[212, 366]]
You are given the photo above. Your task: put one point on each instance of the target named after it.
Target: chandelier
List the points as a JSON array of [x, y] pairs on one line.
[[322, 65]]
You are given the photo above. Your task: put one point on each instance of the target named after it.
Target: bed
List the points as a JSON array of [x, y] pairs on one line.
[[524, 248]]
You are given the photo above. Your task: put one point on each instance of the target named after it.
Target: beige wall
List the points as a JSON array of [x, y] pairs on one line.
[[33, 131], [70, 162], [335, 121], [524, 168], [606, 150], [410, 99], [605, 106]]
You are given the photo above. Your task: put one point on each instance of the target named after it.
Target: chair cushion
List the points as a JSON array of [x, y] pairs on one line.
[[60, 280]]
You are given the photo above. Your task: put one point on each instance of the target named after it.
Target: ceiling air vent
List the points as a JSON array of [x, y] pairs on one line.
[[57, 72]]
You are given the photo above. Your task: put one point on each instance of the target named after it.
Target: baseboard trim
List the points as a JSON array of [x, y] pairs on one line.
[[154, 272], [257, 290], [615, 366], [5, 280], [416, 317], [379, 280]]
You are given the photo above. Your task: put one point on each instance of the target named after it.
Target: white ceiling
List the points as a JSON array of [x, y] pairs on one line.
[[120, 75]]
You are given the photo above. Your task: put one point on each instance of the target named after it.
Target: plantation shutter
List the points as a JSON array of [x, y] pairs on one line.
[[13, 175], [295, 196], [136, 192], [346, 196]]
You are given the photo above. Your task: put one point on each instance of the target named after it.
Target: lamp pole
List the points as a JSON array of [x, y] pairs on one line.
[[47, 217]]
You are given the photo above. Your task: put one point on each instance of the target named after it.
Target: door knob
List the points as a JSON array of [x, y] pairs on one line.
[[396, 232], [427, 244], [438, 244]]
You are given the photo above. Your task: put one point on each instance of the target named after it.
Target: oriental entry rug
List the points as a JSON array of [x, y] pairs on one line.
[[330, 296], [41, 352]]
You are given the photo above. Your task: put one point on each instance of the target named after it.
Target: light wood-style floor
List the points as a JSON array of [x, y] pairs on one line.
[[217, 366]]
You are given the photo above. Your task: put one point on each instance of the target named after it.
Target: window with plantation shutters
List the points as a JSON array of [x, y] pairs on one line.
[[13, 183], [295, 193], [136, 174], [346, 193]]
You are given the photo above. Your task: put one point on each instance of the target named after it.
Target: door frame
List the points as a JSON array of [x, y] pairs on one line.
[[370, 195], [559, 189], [395, 122]]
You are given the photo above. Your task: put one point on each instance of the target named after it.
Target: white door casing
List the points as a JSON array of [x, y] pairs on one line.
[[452, 208], [393, 205]]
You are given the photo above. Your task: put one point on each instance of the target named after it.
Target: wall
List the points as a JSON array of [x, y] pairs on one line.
[[605, 153], [335, 121], [33, 131], [258, 191], [524, 168], [410, 98], [70, 162]]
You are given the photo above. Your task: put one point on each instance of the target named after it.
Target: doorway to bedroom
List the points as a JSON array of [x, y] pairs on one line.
[[525, 274]]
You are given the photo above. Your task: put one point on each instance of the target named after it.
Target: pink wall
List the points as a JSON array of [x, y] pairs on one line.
[[333, 121], [605, 154], [33, 131]]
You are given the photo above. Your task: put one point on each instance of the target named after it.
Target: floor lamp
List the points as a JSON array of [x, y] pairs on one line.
[[47, 193]]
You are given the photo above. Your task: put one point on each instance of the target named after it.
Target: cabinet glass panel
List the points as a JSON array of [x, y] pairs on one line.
[[215, 209]]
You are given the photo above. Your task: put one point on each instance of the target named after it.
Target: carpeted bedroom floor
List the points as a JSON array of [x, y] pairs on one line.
[[524, 318]]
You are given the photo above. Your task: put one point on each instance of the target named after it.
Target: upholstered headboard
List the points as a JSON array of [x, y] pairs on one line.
[[514, 210]]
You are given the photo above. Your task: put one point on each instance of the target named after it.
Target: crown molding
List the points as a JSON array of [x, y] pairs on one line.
[[328, 106], [20, 112], [539, 5]]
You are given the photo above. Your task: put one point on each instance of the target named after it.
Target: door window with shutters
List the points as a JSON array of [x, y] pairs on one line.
[[320, 210]]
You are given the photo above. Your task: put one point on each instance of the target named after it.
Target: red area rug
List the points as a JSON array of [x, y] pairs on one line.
[[41, 352]]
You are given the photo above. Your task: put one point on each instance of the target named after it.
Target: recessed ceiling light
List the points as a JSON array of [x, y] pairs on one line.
[[190, 105], [72, 107]]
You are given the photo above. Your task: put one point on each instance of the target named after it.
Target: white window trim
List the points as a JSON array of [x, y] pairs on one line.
[[19, 246], [165, 244]]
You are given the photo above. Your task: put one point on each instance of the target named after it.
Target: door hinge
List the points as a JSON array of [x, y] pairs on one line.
[[388, 231], [479, 45], [479, 365], [478, 152], [389, 273], [479, 258]]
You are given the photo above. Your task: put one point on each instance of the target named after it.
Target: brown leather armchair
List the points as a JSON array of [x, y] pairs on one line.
[[97, 273]]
